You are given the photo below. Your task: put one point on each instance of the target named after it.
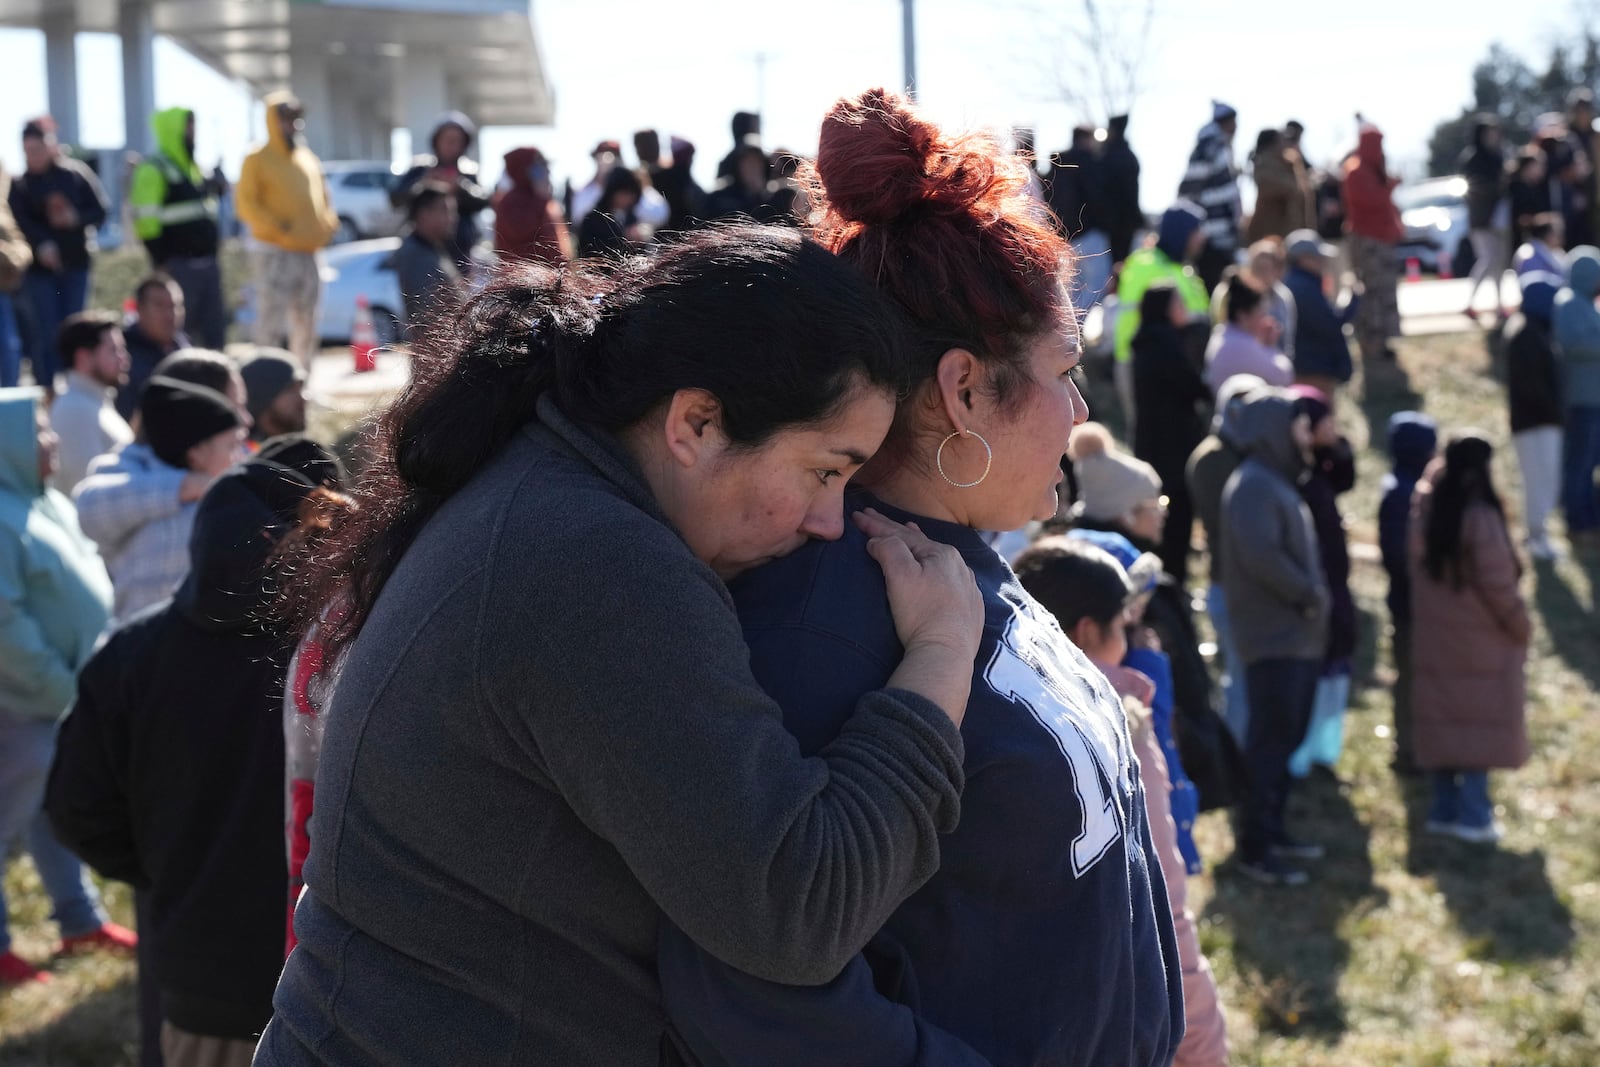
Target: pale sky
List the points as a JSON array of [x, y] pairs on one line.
[[685, 66]]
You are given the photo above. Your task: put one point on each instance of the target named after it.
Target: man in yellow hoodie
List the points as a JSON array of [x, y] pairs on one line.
[[283, 197]]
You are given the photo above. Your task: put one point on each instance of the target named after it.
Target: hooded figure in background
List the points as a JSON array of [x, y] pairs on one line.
[[1212, 181], [1168, 258], [1373, 223], [1533, 390], [1278, 613], [55, 600], [1576, 326], [1413, 438], [170, 772], [175, 216], [528, 224], [447, 164], [283, 197]]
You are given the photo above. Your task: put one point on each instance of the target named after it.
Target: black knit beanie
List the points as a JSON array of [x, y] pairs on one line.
[[179, 415]]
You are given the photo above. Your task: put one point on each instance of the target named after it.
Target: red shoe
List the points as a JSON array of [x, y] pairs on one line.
[[109, 938], [14, 970]]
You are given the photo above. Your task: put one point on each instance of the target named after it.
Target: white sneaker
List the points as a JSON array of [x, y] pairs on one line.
[[1540, 548], [1443, 829], [1481, 835]]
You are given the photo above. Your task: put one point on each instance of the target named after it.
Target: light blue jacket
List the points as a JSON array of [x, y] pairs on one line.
[[1576, 326], [55, 598]]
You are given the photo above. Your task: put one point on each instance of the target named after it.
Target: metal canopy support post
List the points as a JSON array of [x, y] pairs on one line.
[[138, 73]]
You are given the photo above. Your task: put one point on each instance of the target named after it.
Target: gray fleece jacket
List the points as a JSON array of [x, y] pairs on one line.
[[1277, 598], [545, 737]]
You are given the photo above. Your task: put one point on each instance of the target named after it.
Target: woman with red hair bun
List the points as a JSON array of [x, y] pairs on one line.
[[1045, 935]]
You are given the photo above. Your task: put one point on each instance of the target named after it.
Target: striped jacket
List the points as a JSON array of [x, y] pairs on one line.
[[1212, 181]]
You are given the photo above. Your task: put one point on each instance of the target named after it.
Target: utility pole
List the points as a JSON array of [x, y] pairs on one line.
[[909, 44]]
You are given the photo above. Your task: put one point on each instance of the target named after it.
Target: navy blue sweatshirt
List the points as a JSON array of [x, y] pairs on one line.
[[1045, 937]]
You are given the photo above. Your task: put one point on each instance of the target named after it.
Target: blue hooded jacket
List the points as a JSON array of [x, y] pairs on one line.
[[55, 598], [1576, 325], [1178, 224], [1413, 437]]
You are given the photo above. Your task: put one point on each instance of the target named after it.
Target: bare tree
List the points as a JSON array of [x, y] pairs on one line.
[[1094, 51]]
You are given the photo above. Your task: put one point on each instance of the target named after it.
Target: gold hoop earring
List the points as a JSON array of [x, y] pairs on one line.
[[988, 458]]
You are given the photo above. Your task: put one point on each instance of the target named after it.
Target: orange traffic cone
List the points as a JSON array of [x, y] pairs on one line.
[[363, 339], [130, 309], [1413, 269]]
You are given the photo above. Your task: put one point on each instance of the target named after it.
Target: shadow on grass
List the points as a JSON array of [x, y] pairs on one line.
[[94, 1032], [1502, 900], [1286, 940], [1385, 389], [1571, 626]]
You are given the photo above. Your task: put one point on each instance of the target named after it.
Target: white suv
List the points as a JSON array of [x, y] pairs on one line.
[[360, 191]]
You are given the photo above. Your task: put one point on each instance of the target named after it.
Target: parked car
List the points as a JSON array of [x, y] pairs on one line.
[[360, 268], [360, 192], [1434, 213]]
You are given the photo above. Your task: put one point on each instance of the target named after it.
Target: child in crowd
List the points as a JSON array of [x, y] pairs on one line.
[[1145, 655], [1089, 593], [1278, 611], [1576, 326], [1413, 437], [1333, 471], [139, 506], [1266, 263], [1470, 640], [1533, 387]]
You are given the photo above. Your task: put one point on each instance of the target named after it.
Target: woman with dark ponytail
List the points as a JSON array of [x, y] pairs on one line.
[[545, 735], [1470, 633], [1044, 937]]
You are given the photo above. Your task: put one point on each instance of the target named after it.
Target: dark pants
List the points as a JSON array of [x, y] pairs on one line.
[[1210, 264], [1404, 753], [149, 987], [206, 317], [10, 344], [1580, 457], [1281, 693], [1178, 533], [53, 298]]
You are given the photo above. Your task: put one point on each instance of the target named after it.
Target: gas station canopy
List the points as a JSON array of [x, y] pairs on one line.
[[362, 67]]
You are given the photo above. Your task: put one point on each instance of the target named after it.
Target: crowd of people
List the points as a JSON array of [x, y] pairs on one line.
[[644, 702]]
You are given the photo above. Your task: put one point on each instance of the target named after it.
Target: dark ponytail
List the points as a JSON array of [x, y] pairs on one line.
[[1465, 481], [772, 324]]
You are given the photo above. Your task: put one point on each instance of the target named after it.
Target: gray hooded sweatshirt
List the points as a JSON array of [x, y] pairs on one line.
[[546, 736], [1277, 598]]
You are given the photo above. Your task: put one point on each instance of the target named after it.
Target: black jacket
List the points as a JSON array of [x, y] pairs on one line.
[[169, 770], [1533, 381], [1173, 402], [65, 182], [143, 355], [1119, 171], [1077, 192], [1485, 171], [1332, 474]]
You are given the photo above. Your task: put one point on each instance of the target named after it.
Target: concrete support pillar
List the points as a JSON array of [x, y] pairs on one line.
[[309, 76], [61, 73], [138, 73], [422, 96]]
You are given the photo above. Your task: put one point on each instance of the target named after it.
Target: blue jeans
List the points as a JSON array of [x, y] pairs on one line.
[[1092, 269], [1235, 699], [1580, 456], [54, 297], [10, 344], [1462, 798], [28, 746]]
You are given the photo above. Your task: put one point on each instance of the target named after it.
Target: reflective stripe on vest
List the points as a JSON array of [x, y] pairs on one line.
[[181, 212]]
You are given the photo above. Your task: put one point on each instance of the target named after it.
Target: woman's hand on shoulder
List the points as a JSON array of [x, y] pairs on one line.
[[932, 593]]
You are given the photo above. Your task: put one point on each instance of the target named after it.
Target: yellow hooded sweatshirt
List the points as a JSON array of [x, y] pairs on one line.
[[282, 195]]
